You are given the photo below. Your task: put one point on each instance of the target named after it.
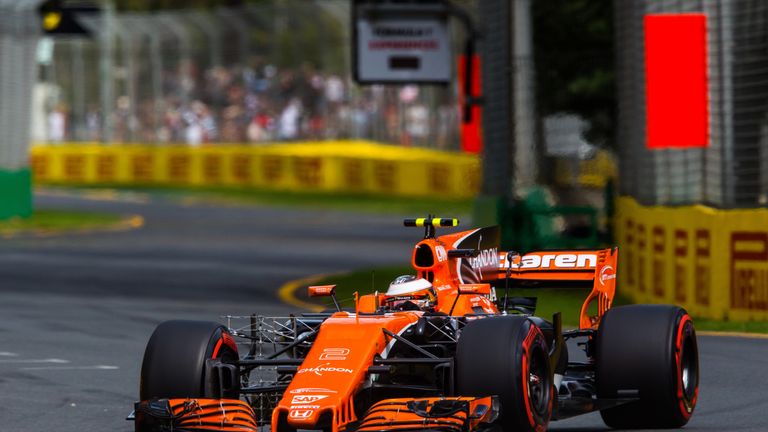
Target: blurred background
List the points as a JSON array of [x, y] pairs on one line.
[[169, 158], [246, 75], [255, 73], [572, 123]]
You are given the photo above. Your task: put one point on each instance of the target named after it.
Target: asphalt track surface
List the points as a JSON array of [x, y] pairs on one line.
[[76, 311]]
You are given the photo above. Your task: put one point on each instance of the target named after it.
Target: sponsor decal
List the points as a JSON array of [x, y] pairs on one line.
[[658, 261], [403, 31], [749, 270], [312, 390], [680, 263], [321, 290], [306, 399], [641, 257], [334, 354], [324, 368], [486, 257], [442, 255], [564, 260], [301, 413], [305, 407], [629, 239], [607, 273], [486, 241], [703, 266]]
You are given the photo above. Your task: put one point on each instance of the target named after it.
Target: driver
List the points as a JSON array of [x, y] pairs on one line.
[[408, 292]]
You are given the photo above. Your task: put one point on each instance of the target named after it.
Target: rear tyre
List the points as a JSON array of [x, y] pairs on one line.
[[507, 357], [175, 357], [650, 348]]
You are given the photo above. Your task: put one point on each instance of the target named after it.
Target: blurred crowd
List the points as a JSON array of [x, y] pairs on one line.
[[261, 103]]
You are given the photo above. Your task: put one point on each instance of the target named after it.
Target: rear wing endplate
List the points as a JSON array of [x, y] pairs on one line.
[[595, 268]]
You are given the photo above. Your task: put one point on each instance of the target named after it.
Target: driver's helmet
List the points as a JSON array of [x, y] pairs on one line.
[[408, 292]]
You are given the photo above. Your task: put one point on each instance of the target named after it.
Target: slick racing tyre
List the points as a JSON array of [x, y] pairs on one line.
[[175, 359], [651, 349], [507, 357]]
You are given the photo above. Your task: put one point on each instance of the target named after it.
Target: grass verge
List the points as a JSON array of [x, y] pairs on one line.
[[327, 200], [57, 221], [567, 301]]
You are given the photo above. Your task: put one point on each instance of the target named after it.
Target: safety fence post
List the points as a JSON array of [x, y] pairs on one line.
[[18, 43]]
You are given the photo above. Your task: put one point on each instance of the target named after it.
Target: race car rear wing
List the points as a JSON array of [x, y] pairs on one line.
[[595, 268]]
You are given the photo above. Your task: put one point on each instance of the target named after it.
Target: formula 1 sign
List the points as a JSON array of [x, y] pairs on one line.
[[409, 45]]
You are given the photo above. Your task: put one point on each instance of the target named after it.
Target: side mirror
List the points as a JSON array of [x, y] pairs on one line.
[[463, 253], [322, 291]]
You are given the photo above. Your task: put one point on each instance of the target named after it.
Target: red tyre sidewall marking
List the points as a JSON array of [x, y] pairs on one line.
[[685, 410], [216, 348], [533, 331], [225, 339], [229, 341]]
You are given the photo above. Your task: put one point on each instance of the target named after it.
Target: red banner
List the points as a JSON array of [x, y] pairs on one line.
[[676, 81], [471, 140]]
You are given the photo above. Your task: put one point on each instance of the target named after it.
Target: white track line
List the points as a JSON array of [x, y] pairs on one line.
[[50, 360], [63, 368]]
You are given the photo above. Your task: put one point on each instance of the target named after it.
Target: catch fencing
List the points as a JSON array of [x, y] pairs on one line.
[[263, 72], [692, 225], [733, 170]]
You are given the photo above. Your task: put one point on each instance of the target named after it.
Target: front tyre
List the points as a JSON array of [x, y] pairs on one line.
[[175, 359], [507, 357], [652, 349]]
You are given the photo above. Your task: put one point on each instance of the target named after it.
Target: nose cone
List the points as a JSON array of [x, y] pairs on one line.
[[306, 405], [334, 370]]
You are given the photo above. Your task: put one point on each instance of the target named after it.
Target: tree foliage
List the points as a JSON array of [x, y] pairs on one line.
[[287, 33], [573, 42]]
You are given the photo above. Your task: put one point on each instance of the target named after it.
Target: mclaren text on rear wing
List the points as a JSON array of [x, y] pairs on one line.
[[595, 268], [573, 265]]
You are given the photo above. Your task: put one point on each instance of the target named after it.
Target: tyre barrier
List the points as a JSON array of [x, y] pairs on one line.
[[712, 262], [328, 166]]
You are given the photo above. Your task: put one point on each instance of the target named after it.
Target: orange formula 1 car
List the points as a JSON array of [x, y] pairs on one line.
[[445, 349]]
